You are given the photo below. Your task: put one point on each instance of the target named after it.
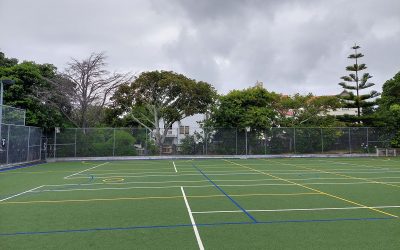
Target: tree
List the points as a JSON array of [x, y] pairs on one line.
[[389, 107], [307, 110], [157, 99], [354, 82], [253, 107], [30, 88], [92, 86], [390, 93], [7, 62]]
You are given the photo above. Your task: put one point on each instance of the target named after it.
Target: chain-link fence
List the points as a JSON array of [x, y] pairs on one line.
[[19, 144], [11, 115], [104, 142]]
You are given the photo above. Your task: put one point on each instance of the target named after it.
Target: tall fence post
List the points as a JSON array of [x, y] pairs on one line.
[[40, 144], [245, 132], [114, 142], [55, 143], [322, 141], [367, 141], [76, 129], [178, 138], [265, 142], [350, 140], [8, 143], [294, 140], [207, 138], [145, 144], [29, 138], [236, 141]]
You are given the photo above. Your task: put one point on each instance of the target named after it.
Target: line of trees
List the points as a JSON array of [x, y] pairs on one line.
[[86, 94]]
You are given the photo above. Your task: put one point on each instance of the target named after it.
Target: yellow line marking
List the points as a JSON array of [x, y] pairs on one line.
[[87, 163], [111, 180], [333, 173], [315, 190], [294, 194], [147, 198]]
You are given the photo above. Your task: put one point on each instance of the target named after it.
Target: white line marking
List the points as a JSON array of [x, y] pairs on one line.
[[66, 177], [292, 209], [142, 173], [225, 173], [211, 171], [202, 186], [162, 175], [15, 195], [125, 183], [196, 232], [254, 180], [351, 164], [176, 171]]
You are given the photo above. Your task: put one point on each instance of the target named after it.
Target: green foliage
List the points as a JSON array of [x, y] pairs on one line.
[[113, 117], [308, 140], [124, 143], [395, 142], [169, 95], [252, 107], [7, 62], [96, 142], [165, 97], [30, 84], [388, 113], [308, 110], [188, 145]]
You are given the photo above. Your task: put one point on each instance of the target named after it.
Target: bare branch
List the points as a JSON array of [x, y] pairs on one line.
[[93, 84]]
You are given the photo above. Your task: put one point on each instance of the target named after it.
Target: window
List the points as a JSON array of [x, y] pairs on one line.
[[167, 149], [184, 130]]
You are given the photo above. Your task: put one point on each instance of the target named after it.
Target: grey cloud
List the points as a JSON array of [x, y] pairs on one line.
[[290, 45]]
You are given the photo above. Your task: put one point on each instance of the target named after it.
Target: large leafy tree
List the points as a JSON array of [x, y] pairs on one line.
[[357, 82], [33, 92], [308, 110], [389, 107], [253, 107], [157, 99]]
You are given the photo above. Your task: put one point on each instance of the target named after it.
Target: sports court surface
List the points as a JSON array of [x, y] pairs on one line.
[[297, 203]]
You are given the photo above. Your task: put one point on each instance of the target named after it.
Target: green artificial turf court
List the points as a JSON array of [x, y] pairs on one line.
[[288, 203]]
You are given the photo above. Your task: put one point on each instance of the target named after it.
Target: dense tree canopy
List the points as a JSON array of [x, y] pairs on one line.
[[308, 110], [391, 93], [389, 107], [253, 107], [157, 99], [259, 109], [33, 92]]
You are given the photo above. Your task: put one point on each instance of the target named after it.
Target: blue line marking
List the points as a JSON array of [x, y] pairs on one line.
[[91, 179], [188, 225], [230, 198], [21, 166]]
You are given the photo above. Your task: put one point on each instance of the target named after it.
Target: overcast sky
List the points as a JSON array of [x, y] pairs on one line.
[[292, 46]]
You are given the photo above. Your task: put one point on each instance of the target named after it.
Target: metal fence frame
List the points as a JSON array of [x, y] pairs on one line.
[[20, 144], [113, 142], [12, 115]]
